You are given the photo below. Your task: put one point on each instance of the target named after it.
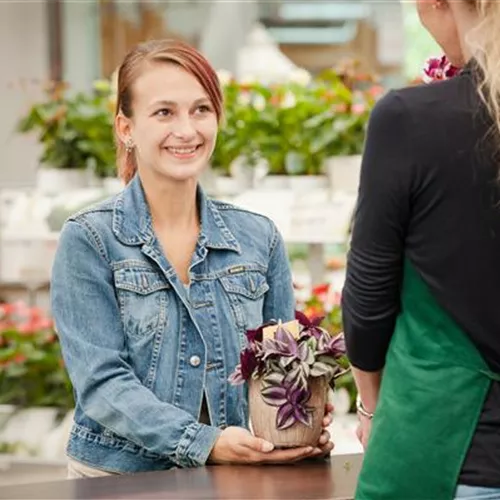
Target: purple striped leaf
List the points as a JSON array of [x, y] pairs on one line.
[[248, 363], [236, 378], [286, 361], [295, 379], [302, 415], [333, 346], [285, 417], [298, 397], [274, 395], [274, 347], [273, 378]]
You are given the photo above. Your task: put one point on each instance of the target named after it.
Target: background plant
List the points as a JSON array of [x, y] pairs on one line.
[[324, 304], [75, 129], [32, 371], [296, 125]]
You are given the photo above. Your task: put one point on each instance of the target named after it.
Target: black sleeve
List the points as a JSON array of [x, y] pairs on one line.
[[371, 294]]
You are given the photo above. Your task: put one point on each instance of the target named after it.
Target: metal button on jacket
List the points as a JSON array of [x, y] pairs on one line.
[[194, 361]]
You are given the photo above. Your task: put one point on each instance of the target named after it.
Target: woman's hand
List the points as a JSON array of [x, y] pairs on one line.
[[237, 445], [325, 445], [368, 385], [364, 429]]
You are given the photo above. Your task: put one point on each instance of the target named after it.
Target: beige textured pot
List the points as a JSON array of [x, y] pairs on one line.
[[263, 417]]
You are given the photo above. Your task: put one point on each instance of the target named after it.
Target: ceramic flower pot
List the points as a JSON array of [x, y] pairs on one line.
[[343, 172], [263, 417], [26, 427], [54, 181]]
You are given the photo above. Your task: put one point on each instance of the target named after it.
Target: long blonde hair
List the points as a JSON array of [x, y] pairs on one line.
[[485, 44]]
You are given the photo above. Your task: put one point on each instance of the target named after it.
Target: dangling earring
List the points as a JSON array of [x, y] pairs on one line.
[[129, 145]]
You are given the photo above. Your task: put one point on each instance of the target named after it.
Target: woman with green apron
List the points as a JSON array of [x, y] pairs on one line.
[[421, 302]]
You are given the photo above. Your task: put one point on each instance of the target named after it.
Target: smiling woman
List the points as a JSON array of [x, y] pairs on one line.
[[171, 114], [153, 290]]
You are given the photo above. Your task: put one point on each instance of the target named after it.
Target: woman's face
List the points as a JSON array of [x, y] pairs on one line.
[[174, 124], [439, 20]]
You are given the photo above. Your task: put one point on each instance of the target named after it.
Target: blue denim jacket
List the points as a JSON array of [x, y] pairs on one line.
[[140, 348]]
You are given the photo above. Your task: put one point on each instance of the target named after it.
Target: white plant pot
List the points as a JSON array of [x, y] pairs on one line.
[[275, 182], [341, 401], [226, 186], [208, 180], [112, 185], [306, 183], [54, 445], [27, 427], [243, 173], [343, 172], [54, 181]]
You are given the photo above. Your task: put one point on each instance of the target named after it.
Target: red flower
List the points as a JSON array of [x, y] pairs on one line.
[[7, 309], [321, 289], [6, 325], [19, 358], [275, 100], [314, 311], [376, 91], [27, 327]]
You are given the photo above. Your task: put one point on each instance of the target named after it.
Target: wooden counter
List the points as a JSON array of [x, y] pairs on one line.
[[333, 479]]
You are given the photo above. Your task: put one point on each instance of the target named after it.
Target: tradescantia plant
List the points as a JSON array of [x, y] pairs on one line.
[[285, 363]]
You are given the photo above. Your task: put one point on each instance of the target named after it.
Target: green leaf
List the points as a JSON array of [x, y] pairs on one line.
[[320, 369], [327, 360], [272, 378]]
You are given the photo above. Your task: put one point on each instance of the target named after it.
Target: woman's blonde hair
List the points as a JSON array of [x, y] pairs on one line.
[[485, 44]]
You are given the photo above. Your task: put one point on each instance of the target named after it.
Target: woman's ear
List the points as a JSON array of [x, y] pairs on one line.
[[438, 19], [123, 128]]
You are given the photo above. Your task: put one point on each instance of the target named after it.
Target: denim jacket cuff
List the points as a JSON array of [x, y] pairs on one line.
[[196, 445]]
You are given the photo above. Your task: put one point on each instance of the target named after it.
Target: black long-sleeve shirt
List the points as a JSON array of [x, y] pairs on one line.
[[429, 192]]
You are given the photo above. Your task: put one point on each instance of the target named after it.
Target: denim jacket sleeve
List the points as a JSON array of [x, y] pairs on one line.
[[87, 317], [279, 302]]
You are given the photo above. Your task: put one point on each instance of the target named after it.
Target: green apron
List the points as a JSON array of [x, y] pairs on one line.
[[433, 390]]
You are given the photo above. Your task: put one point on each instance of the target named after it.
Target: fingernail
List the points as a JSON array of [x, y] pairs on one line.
[[267, 446], [309, 449]]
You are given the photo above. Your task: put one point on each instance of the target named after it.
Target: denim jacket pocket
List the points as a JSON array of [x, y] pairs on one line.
[[143, 298], [246, 291]]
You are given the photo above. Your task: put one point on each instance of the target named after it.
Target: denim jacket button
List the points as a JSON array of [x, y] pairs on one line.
[[194, 361]]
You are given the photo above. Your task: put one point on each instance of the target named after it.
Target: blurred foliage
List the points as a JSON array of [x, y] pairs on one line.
[[75, 129]]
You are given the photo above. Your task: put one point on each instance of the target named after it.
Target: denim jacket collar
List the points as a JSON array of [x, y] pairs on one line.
[[132, 223]]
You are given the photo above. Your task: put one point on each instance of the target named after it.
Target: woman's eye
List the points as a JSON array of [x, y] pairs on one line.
[[204, 108], [163, 112]]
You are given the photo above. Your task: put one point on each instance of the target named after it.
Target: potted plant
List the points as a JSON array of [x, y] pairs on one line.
[[238, 153], [341, 128], [293, 128], [76, 134], [34, 386], [285, 142], [289, 368]]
